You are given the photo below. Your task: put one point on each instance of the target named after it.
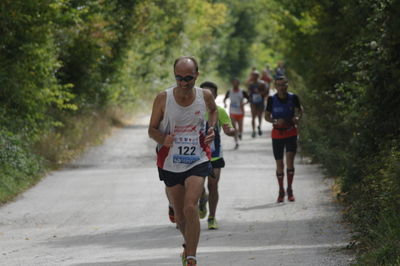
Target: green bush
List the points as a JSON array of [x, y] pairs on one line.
[[347, 55], [19, 167]]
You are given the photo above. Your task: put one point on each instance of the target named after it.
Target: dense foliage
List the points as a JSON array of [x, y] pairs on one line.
[[347, 53]]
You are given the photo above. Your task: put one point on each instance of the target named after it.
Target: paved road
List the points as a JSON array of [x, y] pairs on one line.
[[109, 209]]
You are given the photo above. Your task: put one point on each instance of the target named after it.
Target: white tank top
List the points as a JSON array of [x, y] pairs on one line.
[[188, 123], [236, 102]]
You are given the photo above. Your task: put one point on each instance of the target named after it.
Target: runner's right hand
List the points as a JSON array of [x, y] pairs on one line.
[[169, 140], [280, 122]]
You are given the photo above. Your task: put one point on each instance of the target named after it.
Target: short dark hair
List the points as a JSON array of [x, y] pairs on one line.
[[187, 57], [209, 84]]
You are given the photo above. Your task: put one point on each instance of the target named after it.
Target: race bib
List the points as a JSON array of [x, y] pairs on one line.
[[257, 98], [235, 104], [186, 150]]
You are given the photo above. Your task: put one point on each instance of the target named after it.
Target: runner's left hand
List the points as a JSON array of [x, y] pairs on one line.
[[210, 136]]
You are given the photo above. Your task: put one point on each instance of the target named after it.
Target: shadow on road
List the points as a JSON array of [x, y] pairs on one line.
[[232, 234], [260, 207], [233, 257]]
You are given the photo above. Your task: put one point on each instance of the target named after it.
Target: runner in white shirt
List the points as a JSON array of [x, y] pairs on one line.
[[179, 127], [236, 108]]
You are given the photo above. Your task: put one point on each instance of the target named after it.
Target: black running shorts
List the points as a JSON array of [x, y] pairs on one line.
[[172, 179], [279, 146], [220, 163], [259, 106]]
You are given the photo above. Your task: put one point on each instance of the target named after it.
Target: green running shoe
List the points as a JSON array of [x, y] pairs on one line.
[[183, 255], [212, 223], [184, 261], [203, 206]]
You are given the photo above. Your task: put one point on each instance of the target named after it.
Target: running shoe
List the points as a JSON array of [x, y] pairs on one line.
[[281, 196], [236, 146], [253, 135], [290, 195], [240, 136], [212, 223], [191, 262], [203, 206], [171, 214], [183, 256], [259, 131]]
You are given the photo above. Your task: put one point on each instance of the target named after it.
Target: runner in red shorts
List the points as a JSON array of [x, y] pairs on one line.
[[257, 91], [236, 108]]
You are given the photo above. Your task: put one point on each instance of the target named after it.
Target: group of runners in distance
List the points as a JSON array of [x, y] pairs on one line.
[[187, 125]]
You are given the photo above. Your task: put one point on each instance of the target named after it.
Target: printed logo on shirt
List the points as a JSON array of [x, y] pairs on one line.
[[185, 129]]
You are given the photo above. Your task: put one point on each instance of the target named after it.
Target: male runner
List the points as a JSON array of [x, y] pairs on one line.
[[178, 125], [257, 92], [217, 161], [236, 108], [284, 112]]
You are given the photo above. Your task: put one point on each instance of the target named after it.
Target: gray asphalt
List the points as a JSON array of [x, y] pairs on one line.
[[108, 208]]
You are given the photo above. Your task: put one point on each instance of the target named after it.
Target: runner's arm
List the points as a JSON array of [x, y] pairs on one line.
[[246, 96], [155, 120], [268, 117], [225, 121], [226, 98], [278, 122], [212, 115], [268, 111], [298, 110]]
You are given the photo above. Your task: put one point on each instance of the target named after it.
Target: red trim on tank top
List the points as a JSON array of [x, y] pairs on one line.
[[206, 148], [162, 154]]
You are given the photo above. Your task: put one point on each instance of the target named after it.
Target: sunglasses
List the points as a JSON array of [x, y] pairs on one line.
[[186, 79], [281, 84]]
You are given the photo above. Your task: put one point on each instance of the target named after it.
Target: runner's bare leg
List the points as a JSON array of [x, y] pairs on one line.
[[213, 191], [240, 122], [234, 123], [253, 116], [193, 189], [176, 195], [260, 116]]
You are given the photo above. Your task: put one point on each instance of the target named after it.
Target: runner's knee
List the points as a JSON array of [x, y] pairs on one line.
[[179, 217], [190, 209], [279, 175], [280, 165]]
